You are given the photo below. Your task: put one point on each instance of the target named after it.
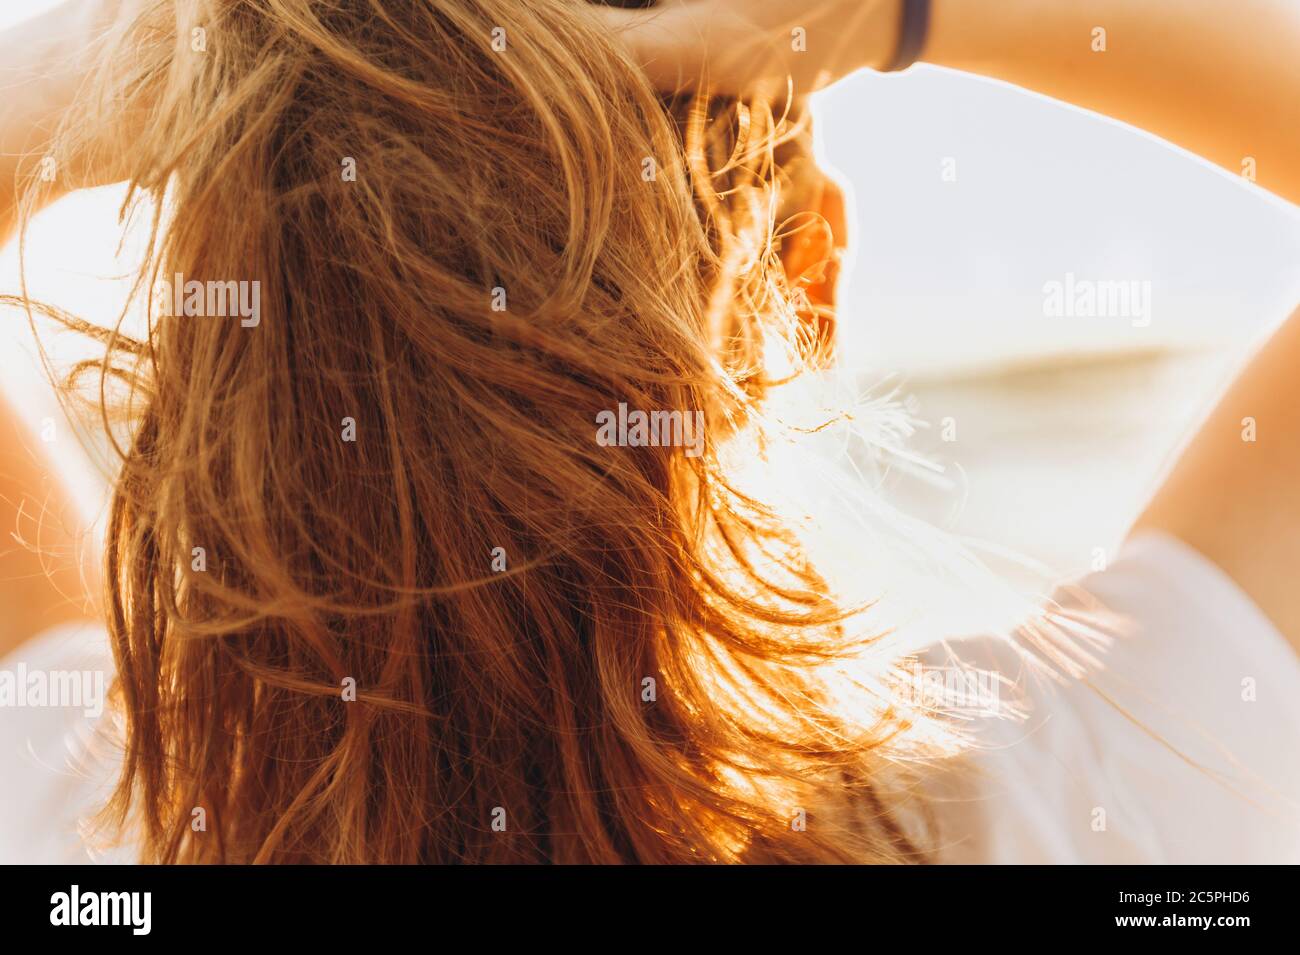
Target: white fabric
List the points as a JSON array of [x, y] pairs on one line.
[[1163, 756], [1077, 781], [55, 767]]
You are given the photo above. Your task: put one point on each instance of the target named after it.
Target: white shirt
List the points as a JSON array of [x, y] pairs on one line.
[[1077, 781], [1185, 748]]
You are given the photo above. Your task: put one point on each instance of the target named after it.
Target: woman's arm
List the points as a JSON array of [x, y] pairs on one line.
[[47, 573], [1220, 78], [1234, 493]]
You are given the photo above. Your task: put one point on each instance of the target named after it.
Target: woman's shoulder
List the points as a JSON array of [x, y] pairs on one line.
[[1177, 746]]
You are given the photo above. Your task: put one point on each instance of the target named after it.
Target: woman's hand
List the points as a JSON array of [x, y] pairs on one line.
[[747, 45], [44, 61], [1220, 79]]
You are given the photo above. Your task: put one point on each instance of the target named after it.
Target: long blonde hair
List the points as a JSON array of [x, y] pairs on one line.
[[377, 593]]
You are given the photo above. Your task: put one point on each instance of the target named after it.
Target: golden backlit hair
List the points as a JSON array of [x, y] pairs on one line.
[[654, 676]]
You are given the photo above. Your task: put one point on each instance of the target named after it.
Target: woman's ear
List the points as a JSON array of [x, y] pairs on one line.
[[810, 252]]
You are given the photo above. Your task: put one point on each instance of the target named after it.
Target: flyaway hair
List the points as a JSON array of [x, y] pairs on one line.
[[376, 592]]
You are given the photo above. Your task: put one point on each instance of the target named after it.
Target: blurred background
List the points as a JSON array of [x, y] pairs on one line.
[[970, 196], [966, 198]]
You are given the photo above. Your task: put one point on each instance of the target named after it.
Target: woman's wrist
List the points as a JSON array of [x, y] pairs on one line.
[[976, 35]]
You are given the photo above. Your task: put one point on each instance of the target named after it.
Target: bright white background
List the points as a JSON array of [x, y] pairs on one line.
[[1062, 424]]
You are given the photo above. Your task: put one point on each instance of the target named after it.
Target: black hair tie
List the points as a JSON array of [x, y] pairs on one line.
[[915, 23]]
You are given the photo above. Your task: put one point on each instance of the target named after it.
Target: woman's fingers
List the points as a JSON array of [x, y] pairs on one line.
[[668, 40], [740, 45]]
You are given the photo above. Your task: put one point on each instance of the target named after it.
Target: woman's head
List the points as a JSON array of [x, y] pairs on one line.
[[380, 589]]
